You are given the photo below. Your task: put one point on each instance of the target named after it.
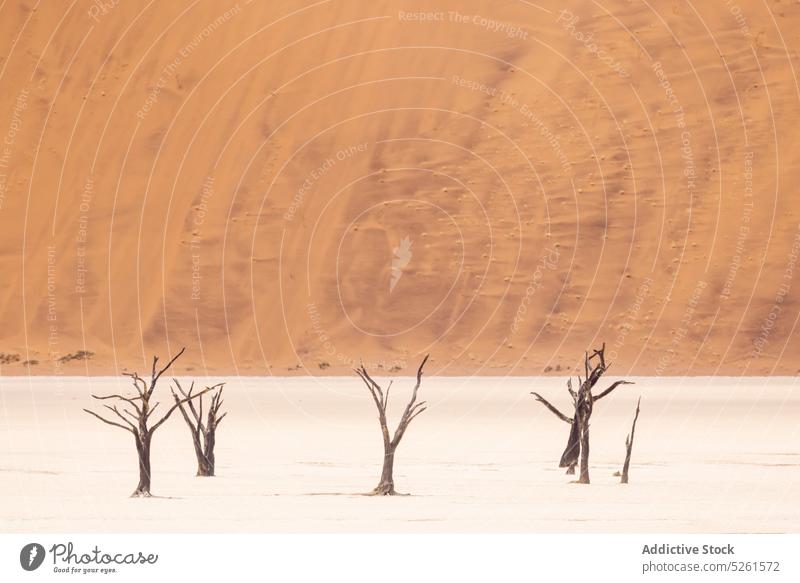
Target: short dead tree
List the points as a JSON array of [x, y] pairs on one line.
[[204, 432], [138, 420], [583, 402], [629, 446], [386, 485]]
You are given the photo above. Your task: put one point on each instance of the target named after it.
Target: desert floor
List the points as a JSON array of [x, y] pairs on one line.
[[293, 455]]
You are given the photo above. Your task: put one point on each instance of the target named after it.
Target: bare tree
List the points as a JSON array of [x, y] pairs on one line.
[[583, 402], [386, 485], [629, 445], [137, 421], [204, 432]]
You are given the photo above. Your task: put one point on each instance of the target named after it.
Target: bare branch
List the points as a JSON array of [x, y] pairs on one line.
[[194, 428], [131, 401], [376, 387], [156, 375], [629, 445], [151, 411], [104, 420], [410, 419], [416, 388], [586, 364], [180, 388], [552, 409], [188, 394], [386, 398], [611, 388], [362, 372], [118, 414], [175, 406], [137, 380]]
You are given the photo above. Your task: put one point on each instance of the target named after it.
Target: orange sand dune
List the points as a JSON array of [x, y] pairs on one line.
[[288, 187]]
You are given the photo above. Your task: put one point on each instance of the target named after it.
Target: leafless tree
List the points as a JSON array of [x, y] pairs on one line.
[[138, 420], [629, 445], [583, 402], [386, 485], [204, 432]]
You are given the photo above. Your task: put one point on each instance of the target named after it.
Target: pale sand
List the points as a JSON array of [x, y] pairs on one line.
[[710, 455]]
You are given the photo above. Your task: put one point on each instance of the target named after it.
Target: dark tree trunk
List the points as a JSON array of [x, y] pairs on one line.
[[381, 398], [626, 466], [205, 457], [577, 450], [204, 431], [205, 466], [143, 451], [198, 452], [139, 409], [386, 485], [583, 478], [629, 445], [569, 459]]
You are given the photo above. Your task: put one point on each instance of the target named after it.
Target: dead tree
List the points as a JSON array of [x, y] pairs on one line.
[[629, 446], [204, 432], [386, 485], [577, 449], [138, 420]]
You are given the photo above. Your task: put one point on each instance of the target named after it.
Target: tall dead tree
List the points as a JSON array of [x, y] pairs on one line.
[[386, 485], [629, 446], [577, 449], [204, 432], [138, 420]]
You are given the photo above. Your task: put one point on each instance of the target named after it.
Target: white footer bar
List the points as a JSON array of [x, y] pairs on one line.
[[403, 558]]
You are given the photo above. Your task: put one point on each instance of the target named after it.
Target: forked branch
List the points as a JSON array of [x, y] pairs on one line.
[[412, 411]]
